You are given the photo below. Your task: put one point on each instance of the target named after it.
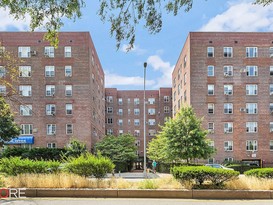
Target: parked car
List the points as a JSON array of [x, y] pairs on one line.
[[219, 166]]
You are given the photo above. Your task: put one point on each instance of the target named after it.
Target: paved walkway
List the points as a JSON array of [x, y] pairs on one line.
[[137, 175]]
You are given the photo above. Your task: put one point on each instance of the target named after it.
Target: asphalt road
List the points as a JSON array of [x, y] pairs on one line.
[[101, 201]]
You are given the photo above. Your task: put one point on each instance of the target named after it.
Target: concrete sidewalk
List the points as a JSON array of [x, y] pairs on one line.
[[134, 175]]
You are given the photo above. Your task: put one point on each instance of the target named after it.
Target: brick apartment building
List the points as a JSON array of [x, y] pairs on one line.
[[228, 80], [125, 112], [61, 90]]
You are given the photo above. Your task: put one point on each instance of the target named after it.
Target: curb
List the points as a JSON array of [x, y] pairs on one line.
[[147, 193]]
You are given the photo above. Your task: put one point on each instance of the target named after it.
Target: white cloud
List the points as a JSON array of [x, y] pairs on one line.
[[242, 15], [8, 21], [164, 67], [136, 49], [112, 80]]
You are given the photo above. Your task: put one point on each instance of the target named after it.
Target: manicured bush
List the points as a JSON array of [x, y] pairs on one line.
[[16, 165], [200, 174], [34, 153], [260, 173], [241, 167], [89, 165]]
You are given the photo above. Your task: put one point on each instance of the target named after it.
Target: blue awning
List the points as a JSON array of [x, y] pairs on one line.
[[26, 139]]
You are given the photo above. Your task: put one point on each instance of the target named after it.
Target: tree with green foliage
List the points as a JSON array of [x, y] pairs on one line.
[[157, 149], [75, 148], [121, 150], [123, 15], [8, 128], [184, 138]]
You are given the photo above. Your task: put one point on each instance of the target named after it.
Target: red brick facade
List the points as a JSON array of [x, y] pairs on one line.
[[235, 79], [126, 106], [74, 64]]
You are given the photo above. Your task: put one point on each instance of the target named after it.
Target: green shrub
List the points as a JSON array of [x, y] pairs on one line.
[[89, 165], [148, 184], [35, 153], [200, 174], [16, 165], [260, 173]]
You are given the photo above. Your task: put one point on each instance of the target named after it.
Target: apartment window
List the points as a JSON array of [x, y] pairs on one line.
[[228, 89], [109, 99], [50, 90], [210, 89], [24, 71], [128, 101], [50, 109], [137, 143], [24, 52], [271, 70], [49, 51], [68, 109], [26, 110], [271, 89], [2, 71], [151, 132], [228, 71], [69, 129], [51, 145], [271, 107], [67, 51], [68, 71], [25, 90], [185, 78], [271, 126], [129, 111], [251, 70], [109, 131], [251, 145], [110, 121], [3, 90], [136, 111], [251, 127], [166, 99], [210, 70], [271, 52], [120, 101], [228, 127], [166, 109], [185, 61], [251, 89], [174, 95], [179, 73], [110, 110], [211, 127], [151, 111], [185, 96], [228, 145], [151, 101], [49, 71], [178, 89], [251, 108], [120, 111], [210, 51], [228, 52], [251, 52], [211, 143], [136, 101], [129, 122], [137, 133], [26, 129], [174, 82], [151, 122], [228, 108], [50, 129], [271, 145], [211, 108], [68, 90], [136, 122]]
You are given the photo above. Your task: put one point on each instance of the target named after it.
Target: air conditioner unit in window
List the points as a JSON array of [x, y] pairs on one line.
[[242, 109], [226, 149], [243, 70], [68, 75], [46, 55], [53, 132], [226, 74], [33, 53], [53, 113], [226, 93]]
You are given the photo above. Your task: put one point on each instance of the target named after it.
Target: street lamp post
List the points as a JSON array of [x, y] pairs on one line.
[[144, 122]]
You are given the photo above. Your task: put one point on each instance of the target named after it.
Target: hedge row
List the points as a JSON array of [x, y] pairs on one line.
[[200, 174], [260, 173]]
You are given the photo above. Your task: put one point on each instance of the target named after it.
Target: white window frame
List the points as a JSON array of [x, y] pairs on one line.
[[251, 127], [151, 101], [210, 70], [228, 127], [210, 89], [252, 70], [109, 110], [228, 146], [69, 129], [120, 101], [166, 98], [2, 71], [228, 70], [24, 71], [51, 129], [67, 51], [24, 52], [136, 122], [136, 101], [251, 89], [228, 89], [49, 71], [251, 145], [109, 99], [69, 109], [25, 90], [50, 109], [271, 145], [210, 108], [68, 71], [151, 111], [26, 129], [136, 111], [228, 108], [26, 110], [210, 52], [166, 109], [151, 122], [51, 145], [49, 51], [228, 52], [120, 111], [120, 122], [68, 90], [251, 52], [3, 90], [251, 108], [50, 90]]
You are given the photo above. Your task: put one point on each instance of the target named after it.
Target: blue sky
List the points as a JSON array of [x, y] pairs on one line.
[[125, 70]]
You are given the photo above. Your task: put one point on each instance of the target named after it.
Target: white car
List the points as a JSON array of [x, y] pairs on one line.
[[219, 166]]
